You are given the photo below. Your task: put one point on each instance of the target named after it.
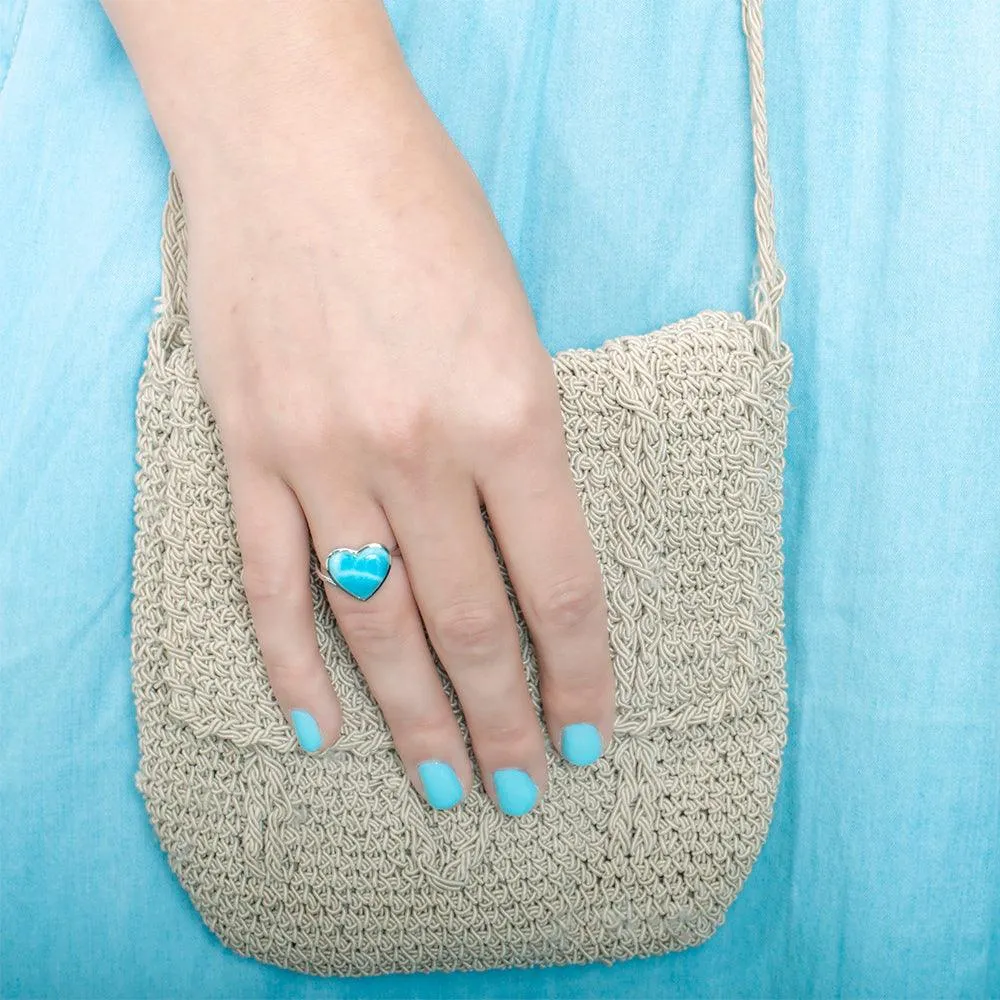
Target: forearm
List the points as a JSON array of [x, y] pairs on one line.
[[219, 76]]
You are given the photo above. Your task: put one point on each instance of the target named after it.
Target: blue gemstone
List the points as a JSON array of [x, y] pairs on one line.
[[359, 571]]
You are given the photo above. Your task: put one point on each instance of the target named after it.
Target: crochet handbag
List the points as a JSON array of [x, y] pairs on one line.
[[332, 863]]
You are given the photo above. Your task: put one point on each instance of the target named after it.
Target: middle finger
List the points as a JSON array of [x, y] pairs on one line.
[[457, 585]]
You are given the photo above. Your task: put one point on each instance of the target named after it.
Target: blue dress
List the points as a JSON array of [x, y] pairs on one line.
[[612, 140]]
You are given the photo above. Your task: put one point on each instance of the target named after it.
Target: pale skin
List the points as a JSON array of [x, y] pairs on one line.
[[373, 365]]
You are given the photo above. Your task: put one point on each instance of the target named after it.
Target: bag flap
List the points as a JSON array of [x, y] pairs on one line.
[[676, 443]]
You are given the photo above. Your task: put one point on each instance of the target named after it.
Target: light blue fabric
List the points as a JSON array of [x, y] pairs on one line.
[[612, 140]]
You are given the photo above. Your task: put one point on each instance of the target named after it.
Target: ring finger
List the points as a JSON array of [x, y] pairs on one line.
[[385, 635]]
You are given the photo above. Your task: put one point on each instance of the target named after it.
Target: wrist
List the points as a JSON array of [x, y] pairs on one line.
[[234, 85]]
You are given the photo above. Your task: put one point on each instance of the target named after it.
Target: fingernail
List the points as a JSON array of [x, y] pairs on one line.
[[516, 792], [441, 784], [581, 743], [310, 738]]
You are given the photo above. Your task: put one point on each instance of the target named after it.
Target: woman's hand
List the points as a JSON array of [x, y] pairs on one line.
[[366, 347]]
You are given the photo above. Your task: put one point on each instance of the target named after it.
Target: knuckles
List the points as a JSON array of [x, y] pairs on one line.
[[469, 629], [513, 420], [568, 604], [370, 627], [401, 430], [265, 583], [512, 734]]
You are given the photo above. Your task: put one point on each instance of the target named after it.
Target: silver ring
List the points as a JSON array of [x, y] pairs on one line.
[[359, 572]]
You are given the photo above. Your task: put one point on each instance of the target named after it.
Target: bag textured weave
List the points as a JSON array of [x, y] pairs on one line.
[[332, 863]]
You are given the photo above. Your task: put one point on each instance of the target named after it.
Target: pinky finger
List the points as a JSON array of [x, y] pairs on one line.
[[276, 549]]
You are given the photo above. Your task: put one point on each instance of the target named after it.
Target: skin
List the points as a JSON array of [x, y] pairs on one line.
[[373, 365]]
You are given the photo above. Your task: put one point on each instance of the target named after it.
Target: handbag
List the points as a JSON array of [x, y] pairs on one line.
[[332, 863]]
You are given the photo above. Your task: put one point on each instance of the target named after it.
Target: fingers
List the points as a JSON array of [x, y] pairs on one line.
[[457, 585], [541, 529], [275, 547], [445, 577], [385, 635]]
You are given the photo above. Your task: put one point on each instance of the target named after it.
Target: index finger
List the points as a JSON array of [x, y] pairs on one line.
[[542, 532]]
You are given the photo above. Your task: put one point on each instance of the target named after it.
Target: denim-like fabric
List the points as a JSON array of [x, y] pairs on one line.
[[612, 141]]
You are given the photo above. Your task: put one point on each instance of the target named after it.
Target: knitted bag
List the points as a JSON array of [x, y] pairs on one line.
[[332, 863]]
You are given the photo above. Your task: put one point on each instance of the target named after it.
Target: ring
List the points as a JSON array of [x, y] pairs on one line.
[[358, 572]]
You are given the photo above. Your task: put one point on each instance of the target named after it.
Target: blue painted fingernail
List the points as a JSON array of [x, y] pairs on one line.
[[516, 792], [441, 784], [310, 738], [581, 743]]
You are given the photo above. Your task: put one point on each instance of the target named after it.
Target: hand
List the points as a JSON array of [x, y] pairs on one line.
[[371, 359]]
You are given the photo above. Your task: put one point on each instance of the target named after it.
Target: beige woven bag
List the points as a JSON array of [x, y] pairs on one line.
[[332, 863]]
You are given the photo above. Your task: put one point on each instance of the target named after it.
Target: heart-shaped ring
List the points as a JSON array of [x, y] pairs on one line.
[[358, 572]]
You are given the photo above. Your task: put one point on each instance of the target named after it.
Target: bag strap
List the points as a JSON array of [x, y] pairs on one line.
[[769, 279]]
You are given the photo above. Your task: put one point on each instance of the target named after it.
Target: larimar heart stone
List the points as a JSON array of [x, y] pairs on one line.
[[359, 571]]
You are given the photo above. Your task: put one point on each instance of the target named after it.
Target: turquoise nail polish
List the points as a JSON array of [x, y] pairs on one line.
[[441, 784], [581, 743], [516, 792], [310, 738]]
